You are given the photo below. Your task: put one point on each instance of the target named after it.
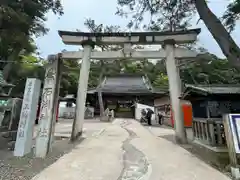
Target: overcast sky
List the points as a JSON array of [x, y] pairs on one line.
[[103, 11]]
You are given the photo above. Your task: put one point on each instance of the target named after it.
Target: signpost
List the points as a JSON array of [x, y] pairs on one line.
[[232, 132], [23, 144]]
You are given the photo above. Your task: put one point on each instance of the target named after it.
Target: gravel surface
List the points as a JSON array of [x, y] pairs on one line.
[[14, 168]]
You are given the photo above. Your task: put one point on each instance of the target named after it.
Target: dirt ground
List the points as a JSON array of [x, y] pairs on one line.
[[14, 168]]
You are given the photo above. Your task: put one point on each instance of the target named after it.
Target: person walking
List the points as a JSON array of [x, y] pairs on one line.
[[149, 116], [143, 116], [160, 118]]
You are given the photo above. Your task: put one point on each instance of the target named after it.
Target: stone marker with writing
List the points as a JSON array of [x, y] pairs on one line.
[[28, 114], [45, 138]]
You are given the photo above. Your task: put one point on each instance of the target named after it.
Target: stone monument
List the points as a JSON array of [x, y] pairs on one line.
[[23, 143]]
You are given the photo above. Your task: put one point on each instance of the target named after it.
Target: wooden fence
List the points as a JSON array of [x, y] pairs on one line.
[[209, 131]]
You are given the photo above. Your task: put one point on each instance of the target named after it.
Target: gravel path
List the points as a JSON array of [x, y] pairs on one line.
[[14, 168], [126, 150]]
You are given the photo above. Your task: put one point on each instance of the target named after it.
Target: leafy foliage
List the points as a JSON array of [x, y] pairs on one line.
[[161, 81], [19, 21], [27, 67], [168, 15], [174, 14], [94, 27], [232, 15], [70, 76], [208, 69]]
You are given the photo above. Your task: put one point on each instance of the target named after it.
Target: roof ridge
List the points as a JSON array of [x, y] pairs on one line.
[[217, 89], [126, 75], [212, 85]]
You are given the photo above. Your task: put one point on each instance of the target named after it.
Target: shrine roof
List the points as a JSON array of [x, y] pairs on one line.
[[126, 84], [211, 89], [154, 37]]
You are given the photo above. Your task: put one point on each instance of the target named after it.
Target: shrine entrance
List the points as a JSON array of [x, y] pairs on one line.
[[124, 109], [170, 51]]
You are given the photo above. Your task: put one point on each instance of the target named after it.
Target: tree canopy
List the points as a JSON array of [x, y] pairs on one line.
[[174, 14], [19, 22], [28, 17], [17, 45], [207, 69]]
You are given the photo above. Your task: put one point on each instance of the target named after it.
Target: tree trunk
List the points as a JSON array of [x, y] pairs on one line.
[[228, 46], [7, 68], [99, 91]]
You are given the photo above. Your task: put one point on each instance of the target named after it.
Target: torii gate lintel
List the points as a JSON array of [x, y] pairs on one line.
[[169, 51]]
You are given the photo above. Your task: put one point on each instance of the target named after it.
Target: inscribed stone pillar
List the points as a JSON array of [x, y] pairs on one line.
[[23, 143], [58, 80], [175, 91], [82, 90], [48, 105]]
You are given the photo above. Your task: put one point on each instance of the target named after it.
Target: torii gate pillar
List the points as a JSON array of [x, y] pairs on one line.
[[175, 91], [77, 127]]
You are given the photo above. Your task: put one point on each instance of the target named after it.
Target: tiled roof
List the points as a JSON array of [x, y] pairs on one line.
[[126, 84], [214, 89]]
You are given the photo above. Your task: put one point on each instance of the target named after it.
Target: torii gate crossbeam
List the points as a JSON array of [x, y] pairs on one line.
[[180, 53], [89, 40]]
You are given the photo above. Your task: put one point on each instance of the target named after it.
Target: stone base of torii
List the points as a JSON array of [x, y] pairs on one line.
[[170, 52]]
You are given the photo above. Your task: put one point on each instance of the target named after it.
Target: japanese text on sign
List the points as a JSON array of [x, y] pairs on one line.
[[25, 110]]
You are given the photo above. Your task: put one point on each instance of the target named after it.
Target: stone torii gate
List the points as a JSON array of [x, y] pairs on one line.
[[168, 40]]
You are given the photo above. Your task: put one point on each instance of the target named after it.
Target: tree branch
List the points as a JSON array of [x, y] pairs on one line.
[[228, 46]]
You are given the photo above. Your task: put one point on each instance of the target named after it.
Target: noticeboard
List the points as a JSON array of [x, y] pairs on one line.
[[234, 121]]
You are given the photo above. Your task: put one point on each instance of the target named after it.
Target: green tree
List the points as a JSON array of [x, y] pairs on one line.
[[27, 67], [165, 14], [70, 76], [185, 9], [161, 81], [28, 17], [209, 69], [232, 15], [30, 66]]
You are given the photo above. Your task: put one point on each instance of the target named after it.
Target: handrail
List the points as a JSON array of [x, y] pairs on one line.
[[209, 131]]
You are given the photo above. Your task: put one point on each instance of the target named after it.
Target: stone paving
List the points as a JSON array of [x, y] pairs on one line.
[[125, 150]]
